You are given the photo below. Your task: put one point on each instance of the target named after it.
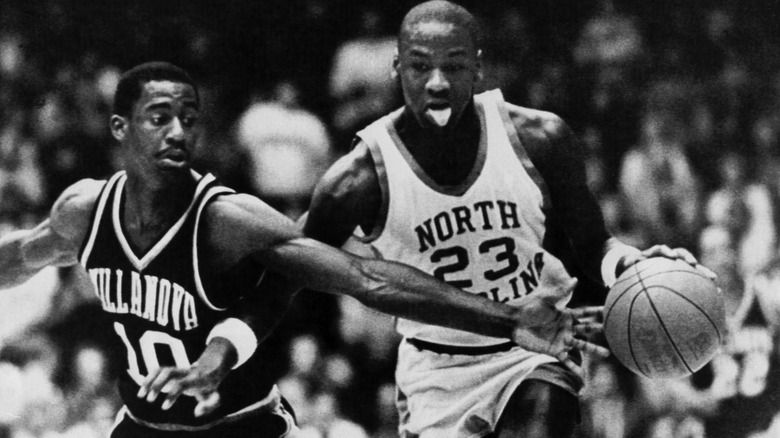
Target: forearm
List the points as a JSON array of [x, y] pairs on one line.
[[390, 287], [13, 268], [220, 356], [409, 293]]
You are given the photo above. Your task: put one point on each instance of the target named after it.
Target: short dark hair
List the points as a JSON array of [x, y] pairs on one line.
[[132, 81], [443, 11]]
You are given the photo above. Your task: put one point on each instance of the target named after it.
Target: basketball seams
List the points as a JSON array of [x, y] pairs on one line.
[[628, 333], [693, 303], [614, 303], [663, 326]]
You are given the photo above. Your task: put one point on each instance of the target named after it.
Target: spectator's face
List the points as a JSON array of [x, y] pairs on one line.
[[160, 132], [438, 65]]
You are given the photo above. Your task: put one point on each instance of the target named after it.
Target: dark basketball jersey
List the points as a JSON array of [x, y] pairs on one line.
[[162, 307]]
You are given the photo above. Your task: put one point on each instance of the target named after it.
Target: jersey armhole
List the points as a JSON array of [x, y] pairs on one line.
[[384, 188], [521, 152], [209, 194]]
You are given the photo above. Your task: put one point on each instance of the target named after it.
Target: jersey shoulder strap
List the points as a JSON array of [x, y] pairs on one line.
[[97, 216]]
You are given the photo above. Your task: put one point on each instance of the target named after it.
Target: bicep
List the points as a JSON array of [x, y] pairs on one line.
[[346, 197], [560, 160]]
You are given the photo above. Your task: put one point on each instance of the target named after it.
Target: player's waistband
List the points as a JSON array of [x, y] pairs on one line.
[[271, 404], [460, 349]]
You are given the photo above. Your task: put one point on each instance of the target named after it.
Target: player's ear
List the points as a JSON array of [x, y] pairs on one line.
[[394, 73], [118, 127], [479, 75]]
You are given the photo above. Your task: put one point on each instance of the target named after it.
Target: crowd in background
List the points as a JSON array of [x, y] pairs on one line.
[[677, 105]]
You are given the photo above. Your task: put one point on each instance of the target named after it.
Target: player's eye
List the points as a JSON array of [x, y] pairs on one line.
[[189, 120], [453, 68], [160, 119], [420, 66]]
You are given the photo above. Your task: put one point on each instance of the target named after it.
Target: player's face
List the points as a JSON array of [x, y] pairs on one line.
[[438, 66], [161, 131]]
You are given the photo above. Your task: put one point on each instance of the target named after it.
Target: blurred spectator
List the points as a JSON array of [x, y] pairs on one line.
[[507, 47], [743, 208], [360, 83], [29, 363], [662, 193], [22, 188], [317, 387], [609, 38], [90, 397], [289, 149], [327, 421]]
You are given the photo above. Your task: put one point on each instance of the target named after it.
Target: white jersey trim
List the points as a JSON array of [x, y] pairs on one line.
[[141, 263], [520, 152], [212, 192], [101, 206]]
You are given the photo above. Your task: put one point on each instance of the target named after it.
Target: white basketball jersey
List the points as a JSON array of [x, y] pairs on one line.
[[483, 236]]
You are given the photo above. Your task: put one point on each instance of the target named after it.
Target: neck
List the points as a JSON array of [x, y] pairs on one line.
[[446, 155], [150, 203]]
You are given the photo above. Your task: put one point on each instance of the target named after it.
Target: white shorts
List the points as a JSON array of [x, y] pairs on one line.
[[446, 396]]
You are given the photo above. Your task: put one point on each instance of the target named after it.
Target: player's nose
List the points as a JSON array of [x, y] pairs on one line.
[[176, 132], [437, 81]]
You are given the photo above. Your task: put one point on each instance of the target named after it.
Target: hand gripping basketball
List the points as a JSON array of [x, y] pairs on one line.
[[545, 326]]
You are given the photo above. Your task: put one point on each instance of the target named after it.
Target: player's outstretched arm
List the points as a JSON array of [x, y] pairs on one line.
[[248, 226], [54, 242], [538, 323]]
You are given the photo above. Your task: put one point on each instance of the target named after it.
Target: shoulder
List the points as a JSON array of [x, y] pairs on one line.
[[546, 137], [72, 211], [352, 174], [352, 182], [347, 196], [537, 123]]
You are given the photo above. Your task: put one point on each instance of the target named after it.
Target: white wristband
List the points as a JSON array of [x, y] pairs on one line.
[[239, 334], [611, 259]]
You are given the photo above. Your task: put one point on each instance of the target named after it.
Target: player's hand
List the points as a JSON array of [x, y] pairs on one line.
[[670, 253], [173, 382], [201, 380], [546, 326]]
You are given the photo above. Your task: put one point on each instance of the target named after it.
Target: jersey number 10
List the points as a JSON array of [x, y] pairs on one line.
[[148, 341]]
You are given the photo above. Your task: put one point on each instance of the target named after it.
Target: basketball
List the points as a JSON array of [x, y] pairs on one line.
[[664, 319]]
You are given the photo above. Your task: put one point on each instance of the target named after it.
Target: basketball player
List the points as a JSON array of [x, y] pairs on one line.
[[484, 195], [170, 250]]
